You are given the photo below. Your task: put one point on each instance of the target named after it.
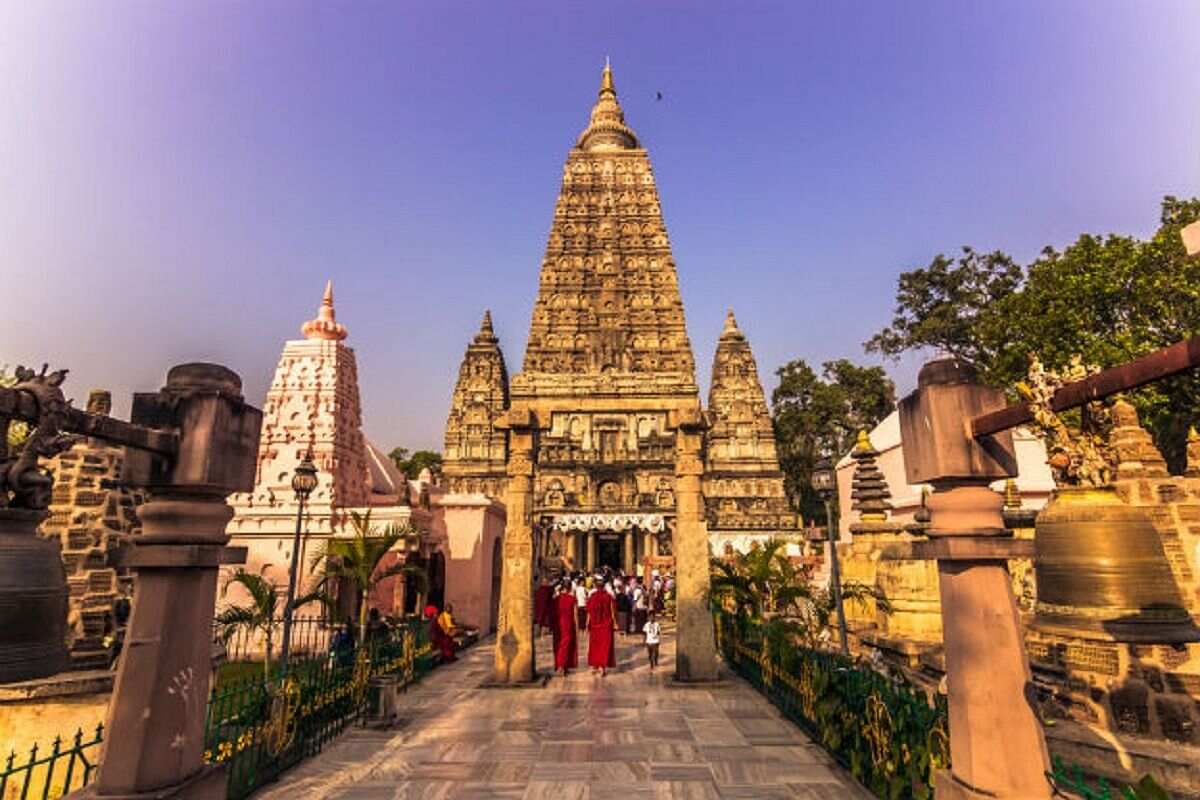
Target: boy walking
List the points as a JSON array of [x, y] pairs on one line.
[[653, 633]]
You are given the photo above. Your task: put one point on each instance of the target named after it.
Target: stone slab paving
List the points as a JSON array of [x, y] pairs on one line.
[[630, 736]]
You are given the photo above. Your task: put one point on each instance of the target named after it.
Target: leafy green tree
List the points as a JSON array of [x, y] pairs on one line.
[[1107, 298], [358, 560], [262, 614], [411, 465], [819, 415], [952, 306]]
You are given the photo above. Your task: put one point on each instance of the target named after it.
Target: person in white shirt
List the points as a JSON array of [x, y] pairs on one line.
[[653, 633], [640, 607], [581, 596]]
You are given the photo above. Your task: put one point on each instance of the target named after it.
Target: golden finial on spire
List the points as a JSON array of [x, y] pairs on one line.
[[731, 326], [325, 326], [862, 442], [607, 129], [486, 332], [606, 79]]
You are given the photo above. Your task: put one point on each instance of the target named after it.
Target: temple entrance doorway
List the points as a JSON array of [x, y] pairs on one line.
[[608, 551]]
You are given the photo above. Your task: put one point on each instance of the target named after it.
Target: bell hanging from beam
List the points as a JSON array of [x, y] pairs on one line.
[[1102, 572]]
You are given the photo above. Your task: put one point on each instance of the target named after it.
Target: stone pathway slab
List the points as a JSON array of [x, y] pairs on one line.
[[631, 735]]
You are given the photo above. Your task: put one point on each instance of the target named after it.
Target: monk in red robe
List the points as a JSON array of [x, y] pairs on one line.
[[438, 636], [602, 621], [566, 648], [543, 599]]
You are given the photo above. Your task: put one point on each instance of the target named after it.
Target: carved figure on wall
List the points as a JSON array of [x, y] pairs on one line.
[[23, 483]]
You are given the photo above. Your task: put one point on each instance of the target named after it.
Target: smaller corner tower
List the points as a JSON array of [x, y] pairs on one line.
[[743, 482], [475, 448]]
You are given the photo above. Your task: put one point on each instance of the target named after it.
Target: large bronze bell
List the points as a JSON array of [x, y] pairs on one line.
[[33, 600], [1102, 572]]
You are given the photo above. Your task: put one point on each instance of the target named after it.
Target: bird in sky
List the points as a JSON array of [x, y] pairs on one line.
[[657, 96]]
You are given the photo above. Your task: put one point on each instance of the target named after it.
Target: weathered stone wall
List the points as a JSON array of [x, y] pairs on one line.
[[90, 521]]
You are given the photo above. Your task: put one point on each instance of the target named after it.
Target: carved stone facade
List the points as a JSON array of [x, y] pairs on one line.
[[608, 372], [743, 484], [476, 449], [90, 520]]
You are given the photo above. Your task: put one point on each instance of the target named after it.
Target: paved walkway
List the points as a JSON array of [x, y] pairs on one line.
[[629, 736]]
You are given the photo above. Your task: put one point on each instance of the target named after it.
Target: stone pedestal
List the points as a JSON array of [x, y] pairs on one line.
[[514, 633], [154, 739], [997, 748], [696, 653]]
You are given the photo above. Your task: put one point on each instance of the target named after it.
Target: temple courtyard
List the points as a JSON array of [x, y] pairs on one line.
[[629, 735]]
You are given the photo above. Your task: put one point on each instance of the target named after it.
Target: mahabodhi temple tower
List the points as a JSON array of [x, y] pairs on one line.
[[608, 381]]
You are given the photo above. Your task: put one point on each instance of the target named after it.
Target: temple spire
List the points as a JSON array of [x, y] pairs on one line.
[[731, 329], [325, 326], [607, 129], [486, 332]]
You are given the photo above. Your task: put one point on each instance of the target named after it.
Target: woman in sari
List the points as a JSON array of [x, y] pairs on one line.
[[566, 648], [602, 621]]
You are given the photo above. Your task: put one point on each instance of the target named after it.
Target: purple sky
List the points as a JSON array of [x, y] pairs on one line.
[[178, 180]]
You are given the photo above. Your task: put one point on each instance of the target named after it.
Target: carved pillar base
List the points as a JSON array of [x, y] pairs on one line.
[[157, 716]]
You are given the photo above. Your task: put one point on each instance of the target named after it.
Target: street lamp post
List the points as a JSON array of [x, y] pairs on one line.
[[824, 481], [304, 480]]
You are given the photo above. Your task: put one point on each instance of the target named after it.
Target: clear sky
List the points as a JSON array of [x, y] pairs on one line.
[[178, 180]]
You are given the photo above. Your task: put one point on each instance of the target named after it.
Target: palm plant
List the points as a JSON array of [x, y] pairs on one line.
[[261, 614], [764, 584], [357, 559]]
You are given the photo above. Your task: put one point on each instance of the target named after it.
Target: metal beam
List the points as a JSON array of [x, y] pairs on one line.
[[1179, 357]]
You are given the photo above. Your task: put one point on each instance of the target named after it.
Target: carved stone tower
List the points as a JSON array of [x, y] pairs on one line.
[[608, 360], [743, 485], [313, 403], [476, 448], [605, 428]]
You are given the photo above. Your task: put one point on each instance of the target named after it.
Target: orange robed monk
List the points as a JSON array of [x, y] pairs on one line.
[[602, 621], [566, 648]]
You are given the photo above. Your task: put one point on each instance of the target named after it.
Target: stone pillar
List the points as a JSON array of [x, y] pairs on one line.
[[514, 633], [649, 545], [627, 536], [591, 550], [696, 653], [997, 747], [154, 738], [572, 548]]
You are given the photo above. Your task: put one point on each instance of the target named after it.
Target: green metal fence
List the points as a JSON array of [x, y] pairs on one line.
[[257, 728], [885, 732], [66, 766], [260, 730]]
